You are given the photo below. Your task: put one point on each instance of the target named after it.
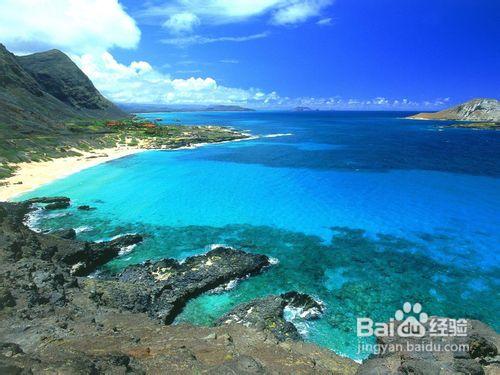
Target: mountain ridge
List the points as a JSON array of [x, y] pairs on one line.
[[40, 91]]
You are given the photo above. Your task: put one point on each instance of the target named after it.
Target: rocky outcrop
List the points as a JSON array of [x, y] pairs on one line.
[[86, 208], [57, 206], [81, 258], [483, 110], [87, 258], [474, 353], [162, 288], [268, 314], [68, 234]]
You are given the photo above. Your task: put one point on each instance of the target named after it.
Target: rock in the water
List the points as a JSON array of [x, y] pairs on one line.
[[51, 203], [86, 208], [268, 314], [92, 255], [162, 288], [57, 206], [48, 200]]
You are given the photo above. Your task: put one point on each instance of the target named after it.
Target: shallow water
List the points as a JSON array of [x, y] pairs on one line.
[[363, 211]]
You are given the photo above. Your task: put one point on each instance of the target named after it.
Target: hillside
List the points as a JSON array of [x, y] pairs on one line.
[[43, 97], [49, 108], [38, 92], [483, 110], [61, 78]]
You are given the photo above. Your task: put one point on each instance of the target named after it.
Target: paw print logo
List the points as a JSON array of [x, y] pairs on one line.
[[411, 326]]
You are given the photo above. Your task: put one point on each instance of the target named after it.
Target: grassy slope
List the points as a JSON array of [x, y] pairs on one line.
[[88, 134]]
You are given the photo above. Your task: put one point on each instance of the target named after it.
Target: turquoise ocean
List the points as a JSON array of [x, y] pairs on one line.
[[362, 210]]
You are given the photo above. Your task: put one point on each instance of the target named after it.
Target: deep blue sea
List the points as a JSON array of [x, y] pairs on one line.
[[363, 210]]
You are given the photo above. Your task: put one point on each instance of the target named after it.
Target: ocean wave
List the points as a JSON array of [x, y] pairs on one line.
[[292, 315], [214, 246], [299, 316], [82, 229], [107, 239], [32, 219], [276, 135], [228, 286], [273, 261], [126, 249]]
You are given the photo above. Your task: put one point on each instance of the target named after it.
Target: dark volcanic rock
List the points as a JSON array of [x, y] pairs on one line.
[[86, 208], [90, 256], [475, 353], [48, 200], [54, 322], [162, 288], [308, 306], [6, 298], [267, 314], [81, 257], [72, 325], [68, 234], [57, 206]]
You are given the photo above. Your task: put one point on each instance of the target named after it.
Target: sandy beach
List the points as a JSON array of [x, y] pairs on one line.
[[31, 175]]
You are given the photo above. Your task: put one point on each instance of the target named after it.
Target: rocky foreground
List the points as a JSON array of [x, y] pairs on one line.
[[56, 319]]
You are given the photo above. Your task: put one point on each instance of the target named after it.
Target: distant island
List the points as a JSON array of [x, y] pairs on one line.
[[302, 109], [481, 113], [148, 108], [228, 108]]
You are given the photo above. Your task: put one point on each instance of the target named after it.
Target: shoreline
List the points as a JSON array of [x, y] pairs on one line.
[[33, 175]]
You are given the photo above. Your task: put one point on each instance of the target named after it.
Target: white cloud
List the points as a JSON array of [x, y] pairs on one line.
[[299, 11], [199, 39], [324, 22], [182, 22], [194, 84], [280, 12], [87, 29], [338, 103], [76, 26], [139, 82]]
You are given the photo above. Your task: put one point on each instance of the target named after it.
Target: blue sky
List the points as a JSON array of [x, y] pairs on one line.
[[342, 54]]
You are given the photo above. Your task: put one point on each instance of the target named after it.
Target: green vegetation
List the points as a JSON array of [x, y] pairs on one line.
[[85, 135], [479, 125], [49, 108]]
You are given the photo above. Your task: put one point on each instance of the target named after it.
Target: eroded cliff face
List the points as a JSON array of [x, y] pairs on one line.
[[487, 110]]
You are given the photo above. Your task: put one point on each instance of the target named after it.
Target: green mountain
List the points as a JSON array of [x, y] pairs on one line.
[[47, 106], [38, 92]]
